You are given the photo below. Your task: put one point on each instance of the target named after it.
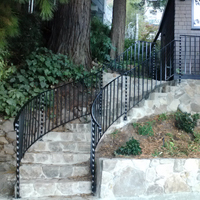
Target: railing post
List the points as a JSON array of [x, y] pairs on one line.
[[92, 158], [153, 66], [125, 112], [17, 191], [180, 60], [42, 115]]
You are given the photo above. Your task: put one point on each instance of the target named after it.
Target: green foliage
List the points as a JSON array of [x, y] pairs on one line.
[[170, 147], [144, 129], [128, 42], [8, 21], [157, 153], [196, 137], [42, 69], [100, 42], [162, 117], [29, 38], [186, 121], [132, 147]]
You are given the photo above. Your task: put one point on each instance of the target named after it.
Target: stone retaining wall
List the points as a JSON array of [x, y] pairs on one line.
[[7, 157], [149, 179]]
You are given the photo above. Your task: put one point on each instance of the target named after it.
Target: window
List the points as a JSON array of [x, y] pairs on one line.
[[195, 14]]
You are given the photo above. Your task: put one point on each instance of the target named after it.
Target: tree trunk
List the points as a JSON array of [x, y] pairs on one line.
[[71, 31], [118, 27]]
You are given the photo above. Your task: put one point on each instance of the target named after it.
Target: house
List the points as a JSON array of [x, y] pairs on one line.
[[180, 25], [97, 9]]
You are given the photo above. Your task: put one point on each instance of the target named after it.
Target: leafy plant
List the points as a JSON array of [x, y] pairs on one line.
[[170, 147], [196, 137], [100, 41], [145, 129], [157, 153], [162, 117], [42, 70], [186, 121], [132, 147]]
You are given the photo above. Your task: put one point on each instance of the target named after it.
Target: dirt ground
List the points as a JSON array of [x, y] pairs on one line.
[[167, 141]]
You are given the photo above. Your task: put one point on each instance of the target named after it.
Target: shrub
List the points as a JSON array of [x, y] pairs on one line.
[[100, 41], [145, 129], [185, 121], [42, 70], [132, 147]]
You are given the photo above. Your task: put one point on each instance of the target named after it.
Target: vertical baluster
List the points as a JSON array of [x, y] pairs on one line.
[[153, 66], [180, 59], [60, 97], [138, 72], [190, 59], [185, 54], [92, 157], [125, 111], [17, 192], [195, 55], [42, 115]]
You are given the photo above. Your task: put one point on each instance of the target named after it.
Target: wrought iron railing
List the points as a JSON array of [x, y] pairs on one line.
[[140, 75], [190, 56], [142, 68], [51, 109]]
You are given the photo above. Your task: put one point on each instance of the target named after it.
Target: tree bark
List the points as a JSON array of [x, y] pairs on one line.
[[71, 31], [118, 27]]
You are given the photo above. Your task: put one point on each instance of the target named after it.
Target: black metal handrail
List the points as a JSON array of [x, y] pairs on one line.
[[140, 66], [128, 89], [53, 108]]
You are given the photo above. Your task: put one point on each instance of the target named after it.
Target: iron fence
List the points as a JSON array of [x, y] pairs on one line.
[[51, 109], [128, 89]]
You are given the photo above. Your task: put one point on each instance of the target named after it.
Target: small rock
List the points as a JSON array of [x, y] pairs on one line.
[[3, 140]]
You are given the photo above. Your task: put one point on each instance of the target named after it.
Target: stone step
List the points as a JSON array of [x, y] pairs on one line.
[[74, 197], [57, 146], [68, 136], [55, 158], [156, 95], [39, 171], [53, 187], [80, 128]]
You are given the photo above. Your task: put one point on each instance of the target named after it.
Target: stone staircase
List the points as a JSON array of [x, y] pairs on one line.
[[58, 164]]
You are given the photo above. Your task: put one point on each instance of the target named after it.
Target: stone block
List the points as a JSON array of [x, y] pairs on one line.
[[54, 146], [179, 165], [175, 184], [68, 146], [155, 190], [30, 172], [9, 149], [7, 126], [3, 140], [132, 185], [2, 133], [66, 171], [11, 136], [80, 171], [195, 107], [164, 170], [45, 188], [192, 165], [51, 171], [83, 147], [27, 190]]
